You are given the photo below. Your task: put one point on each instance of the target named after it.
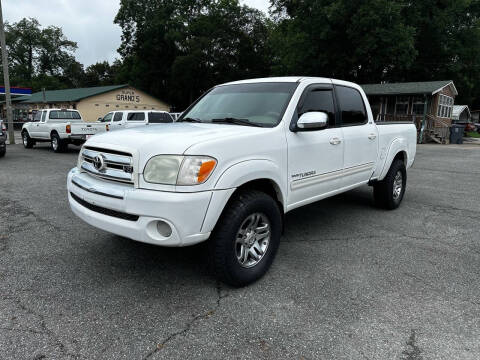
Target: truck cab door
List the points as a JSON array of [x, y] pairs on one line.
[[42, 128], [315, 157], [33, 127], [359, 133]]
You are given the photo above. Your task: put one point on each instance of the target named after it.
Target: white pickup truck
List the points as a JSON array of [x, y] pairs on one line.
[[60, 127], [235, 163], [117, 120]]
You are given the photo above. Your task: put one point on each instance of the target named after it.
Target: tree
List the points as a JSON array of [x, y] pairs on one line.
[[178, 49], [41, 57], [359, 40]]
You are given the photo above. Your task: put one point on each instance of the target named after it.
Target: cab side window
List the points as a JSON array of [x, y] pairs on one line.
[[352, 107], [107, 117], [319, 99], [44, 115], [118, 116]]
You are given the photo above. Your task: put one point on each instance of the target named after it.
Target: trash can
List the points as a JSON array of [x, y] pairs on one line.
[[456, 134]]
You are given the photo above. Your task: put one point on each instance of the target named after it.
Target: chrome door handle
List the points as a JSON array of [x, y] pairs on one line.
[[335, 141], [372, 136]]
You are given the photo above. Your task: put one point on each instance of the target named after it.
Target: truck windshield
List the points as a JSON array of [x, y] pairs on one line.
[[64, 115], [257, 104]]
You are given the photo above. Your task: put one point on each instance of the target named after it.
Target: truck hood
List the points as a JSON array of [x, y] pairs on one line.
[[172, 138]]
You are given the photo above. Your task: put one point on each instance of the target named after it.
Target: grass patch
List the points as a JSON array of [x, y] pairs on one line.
[[473, 134]]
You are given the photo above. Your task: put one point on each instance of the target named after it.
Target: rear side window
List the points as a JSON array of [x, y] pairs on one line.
[[318, 99], [118, 116], [136, 116], [157, 118], [64, 115], [351, 105]]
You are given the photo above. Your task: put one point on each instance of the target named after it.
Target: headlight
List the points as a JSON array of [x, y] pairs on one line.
[[179, 170]]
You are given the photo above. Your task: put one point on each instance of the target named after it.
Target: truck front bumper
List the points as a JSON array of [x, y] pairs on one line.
[[155, 217]]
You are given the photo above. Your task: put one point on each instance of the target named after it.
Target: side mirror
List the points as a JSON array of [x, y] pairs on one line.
[[100, 119], [314, 120]]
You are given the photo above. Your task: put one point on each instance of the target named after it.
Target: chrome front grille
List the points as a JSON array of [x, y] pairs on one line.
[[106, 164]]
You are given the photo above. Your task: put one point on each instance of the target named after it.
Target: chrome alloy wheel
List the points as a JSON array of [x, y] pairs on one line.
[[55, 143], [397, 185], [25, 139], [252, 240]]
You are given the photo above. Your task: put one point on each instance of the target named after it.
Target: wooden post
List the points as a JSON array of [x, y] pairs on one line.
[[424, 120], [6, 79]]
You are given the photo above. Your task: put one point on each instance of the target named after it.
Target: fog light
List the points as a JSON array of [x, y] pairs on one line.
[[164, 229]]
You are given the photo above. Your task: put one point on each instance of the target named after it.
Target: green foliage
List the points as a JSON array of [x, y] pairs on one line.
[[177, 49]]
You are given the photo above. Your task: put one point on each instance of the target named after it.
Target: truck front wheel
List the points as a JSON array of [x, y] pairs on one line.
[[58, 145], [27, 140], [388, 193], [246, 238]]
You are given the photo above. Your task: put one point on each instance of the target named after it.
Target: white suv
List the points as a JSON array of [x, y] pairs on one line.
[[131, 118]]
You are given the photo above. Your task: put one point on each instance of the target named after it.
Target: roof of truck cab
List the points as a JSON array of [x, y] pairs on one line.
[[291, 79]]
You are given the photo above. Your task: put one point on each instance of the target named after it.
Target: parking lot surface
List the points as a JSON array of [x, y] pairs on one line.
[[349, 282]]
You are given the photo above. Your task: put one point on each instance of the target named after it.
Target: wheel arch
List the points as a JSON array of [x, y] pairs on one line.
[[398, 150], [234, 180]]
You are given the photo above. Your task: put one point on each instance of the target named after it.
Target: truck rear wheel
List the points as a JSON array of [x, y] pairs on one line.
[[58, 145], [27, 140], [388, 193], [246, 238]]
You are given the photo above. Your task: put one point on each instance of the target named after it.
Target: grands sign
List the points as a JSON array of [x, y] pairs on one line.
[[128, 96]]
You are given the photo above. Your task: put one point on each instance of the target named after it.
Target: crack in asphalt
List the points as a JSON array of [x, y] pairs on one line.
[[15, 210], [413, 352], [44, 329], [189, 325]]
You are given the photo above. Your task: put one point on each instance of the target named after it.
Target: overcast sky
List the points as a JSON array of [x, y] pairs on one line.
[[88, 22]]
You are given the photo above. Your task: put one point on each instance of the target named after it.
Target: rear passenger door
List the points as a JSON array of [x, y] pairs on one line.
[[359, 134]]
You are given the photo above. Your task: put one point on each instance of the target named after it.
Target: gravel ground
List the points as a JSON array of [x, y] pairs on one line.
[[349, 282]]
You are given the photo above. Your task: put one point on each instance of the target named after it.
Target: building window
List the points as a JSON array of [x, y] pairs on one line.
[[401, 107], [107, 105], [96, 105], [418, 105], [445, 106]]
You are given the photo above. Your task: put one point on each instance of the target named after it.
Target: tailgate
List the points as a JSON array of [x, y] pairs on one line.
[[87, 129]]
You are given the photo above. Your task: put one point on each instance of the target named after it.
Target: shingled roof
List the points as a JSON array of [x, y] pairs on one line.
[[421, 87], [67, 95]]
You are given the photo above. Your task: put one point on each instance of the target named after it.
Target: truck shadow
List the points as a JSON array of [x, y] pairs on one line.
[[306, 222]]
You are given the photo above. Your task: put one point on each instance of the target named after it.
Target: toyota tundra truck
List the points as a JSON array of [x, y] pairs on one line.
[[237, 160], [59, 127]]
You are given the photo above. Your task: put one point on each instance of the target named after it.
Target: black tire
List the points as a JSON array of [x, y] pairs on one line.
[[27, 140], [383, 191], [3, 151], [222, 244], [58, 145]]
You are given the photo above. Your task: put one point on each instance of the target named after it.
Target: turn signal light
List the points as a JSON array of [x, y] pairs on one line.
[[205, 170], [107, 127]]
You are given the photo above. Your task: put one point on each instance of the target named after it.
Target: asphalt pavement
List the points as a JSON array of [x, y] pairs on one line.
[[349, 281]]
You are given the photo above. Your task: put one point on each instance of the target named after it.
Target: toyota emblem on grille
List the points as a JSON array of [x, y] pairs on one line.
[[99, 162]]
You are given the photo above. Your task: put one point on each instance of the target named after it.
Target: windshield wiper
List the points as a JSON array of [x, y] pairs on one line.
[[189, 119], [231, 120]]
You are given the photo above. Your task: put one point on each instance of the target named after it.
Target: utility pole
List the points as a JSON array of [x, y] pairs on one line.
[[6, 79]]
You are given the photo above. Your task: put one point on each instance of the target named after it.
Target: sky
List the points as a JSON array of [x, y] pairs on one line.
[[87, 22]]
